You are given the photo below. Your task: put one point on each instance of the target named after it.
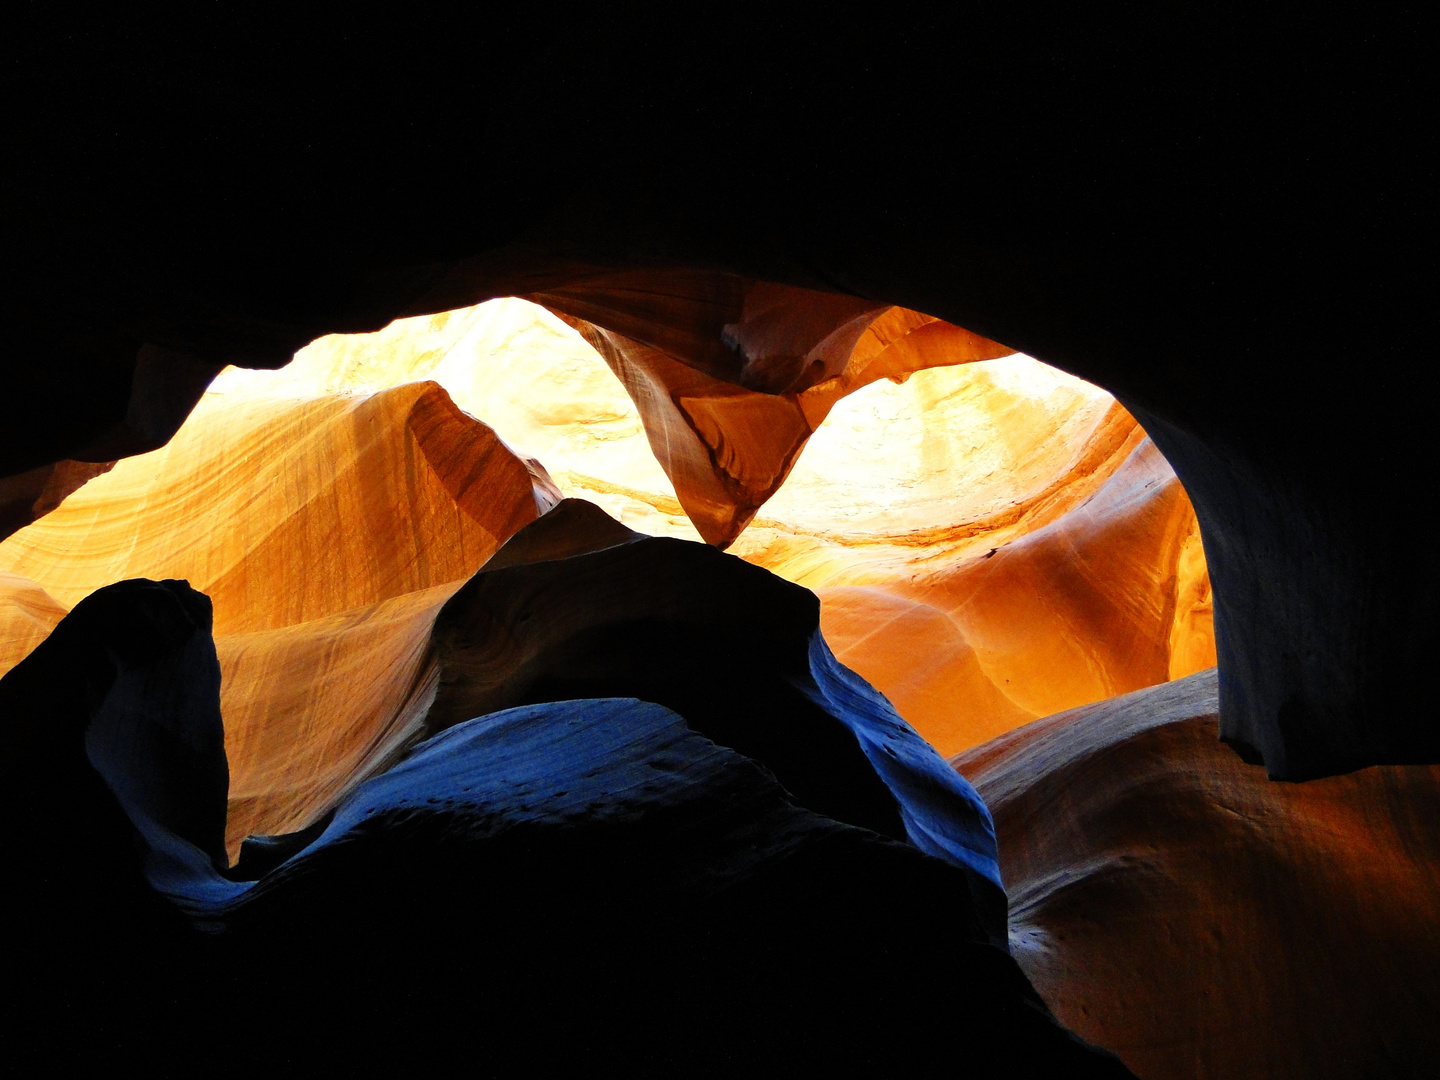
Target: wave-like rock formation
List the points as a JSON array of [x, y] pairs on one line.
[[327, 531], [572, 882], [302, 489], [1174, 905], [1063, 564], [578, 607], [906, 510]]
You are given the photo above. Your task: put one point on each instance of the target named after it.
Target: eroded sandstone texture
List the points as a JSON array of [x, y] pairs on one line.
[[1176, 906], [728, 424]]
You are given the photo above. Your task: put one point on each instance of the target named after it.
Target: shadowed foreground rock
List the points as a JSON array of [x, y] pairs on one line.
[[564, 885], [1172, 904], [126, 686], [676, 622]]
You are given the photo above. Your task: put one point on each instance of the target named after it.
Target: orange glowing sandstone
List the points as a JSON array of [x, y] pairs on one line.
[[890, 510], [991, 541], [1030, 552]]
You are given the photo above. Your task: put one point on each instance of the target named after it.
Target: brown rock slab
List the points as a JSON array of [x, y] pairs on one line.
[[1173, 905], [33, 494]]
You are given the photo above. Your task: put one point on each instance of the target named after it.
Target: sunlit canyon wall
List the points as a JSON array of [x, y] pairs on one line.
[[992, 540]]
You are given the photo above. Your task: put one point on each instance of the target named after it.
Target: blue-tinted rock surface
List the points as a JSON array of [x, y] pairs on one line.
[[567, 884]]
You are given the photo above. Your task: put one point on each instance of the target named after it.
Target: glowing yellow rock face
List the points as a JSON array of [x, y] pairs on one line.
[[946, 447], [271, 506], [526, 374]]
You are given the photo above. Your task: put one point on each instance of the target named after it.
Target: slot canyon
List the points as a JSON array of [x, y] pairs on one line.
[[537, 542]]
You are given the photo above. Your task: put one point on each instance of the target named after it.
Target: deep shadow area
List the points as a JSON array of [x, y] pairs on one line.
[[1212, 212], [570, 884]]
